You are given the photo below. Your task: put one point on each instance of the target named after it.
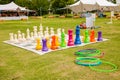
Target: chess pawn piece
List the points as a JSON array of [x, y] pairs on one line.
[[53, 43], [63, 43], [99, 36], [92, 36], [32, 37], [86, 38], [23, 37], [38, 46], [35, 32], [19, 36], [70, 38], [77, 39], [16, 40], [44, 47], [11, 37], [39, 36], [28, 34]]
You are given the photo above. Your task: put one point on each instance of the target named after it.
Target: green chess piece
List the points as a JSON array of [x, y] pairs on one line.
[[86, 40], [63, 42]]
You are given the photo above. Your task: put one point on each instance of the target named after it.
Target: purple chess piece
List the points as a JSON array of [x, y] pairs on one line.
[[99, 36], [44, 47]]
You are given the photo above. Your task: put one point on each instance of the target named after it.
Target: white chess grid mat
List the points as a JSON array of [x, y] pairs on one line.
[[31, 46]]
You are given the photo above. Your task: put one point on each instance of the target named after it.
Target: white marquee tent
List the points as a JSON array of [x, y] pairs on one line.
[[11, 6], [88, 5]]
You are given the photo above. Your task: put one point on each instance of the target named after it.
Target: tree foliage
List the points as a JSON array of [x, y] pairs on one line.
[[41, 6]]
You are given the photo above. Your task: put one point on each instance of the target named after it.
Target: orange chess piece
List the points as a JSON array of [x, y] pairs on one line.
[[92, 36], [53, 43]]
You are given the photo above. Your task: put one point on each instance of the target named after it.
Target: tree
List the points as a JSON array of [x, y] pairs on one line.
[[57, 4]]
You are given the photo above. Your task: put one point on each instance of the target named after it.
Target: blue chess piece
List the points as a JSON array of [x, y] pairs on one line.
[[77, 39]]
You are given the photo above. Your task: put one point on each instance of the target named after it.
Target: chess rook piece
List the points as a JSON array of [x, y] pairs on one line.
[[44, 47], [38, 46], [63, 43], [99, 36], [92, 36], [53, 43], [70, 38], [77, 39], [86, 39]]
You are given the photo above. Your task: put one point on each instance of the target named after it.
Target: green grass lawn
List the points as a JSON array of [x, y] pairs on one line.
[[20, 64]]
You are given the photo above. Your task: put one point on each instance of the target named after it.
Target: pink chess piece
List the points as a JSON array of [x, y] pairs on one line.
[[70, 38]]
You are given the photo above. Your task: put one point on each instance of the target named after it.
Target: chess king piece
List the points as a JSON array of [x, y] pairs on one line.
[[63, 42], [44, 43], [11, 37], [77, 39], [99, 36], [86, 38], [53, 43], [92, 36], [28, 34], [70, 38], [38, 46]]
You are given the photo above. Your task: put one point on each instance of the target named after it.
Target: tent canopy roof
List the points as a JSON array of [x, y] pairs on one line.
[[11, 6]]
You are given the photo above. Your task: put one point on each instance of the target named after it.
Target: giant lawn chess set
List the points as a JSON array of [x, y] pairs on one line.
[[43, 41]]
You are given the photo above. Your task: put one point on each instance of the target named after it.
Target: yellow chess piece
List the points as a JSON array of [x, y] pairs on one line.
[[38, 46], [57, 42]]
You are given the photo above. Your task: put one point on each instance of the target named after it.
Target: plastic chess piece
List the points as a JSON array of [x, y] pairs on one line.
[[63, 43], [86, 38], [38, 46], [16, 40], [28, 34], [52, 31], [92, 36], [70, 38], [23, 37], [35, 31], [19, 36], [99, 36], [11, 37], [77, 39], [53, 43], [32, 37], [48, 42], [44, 47]]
